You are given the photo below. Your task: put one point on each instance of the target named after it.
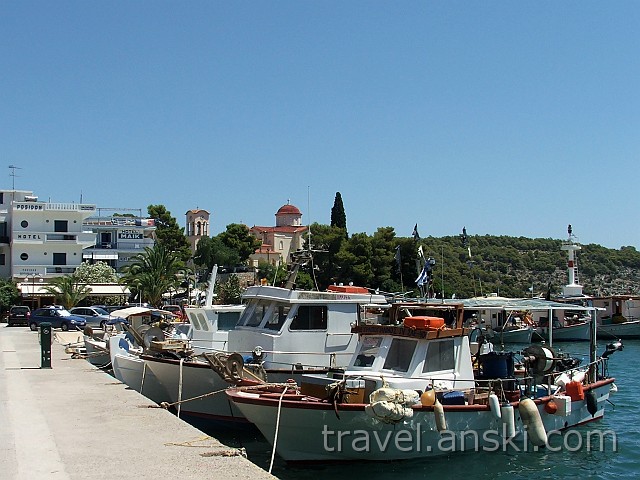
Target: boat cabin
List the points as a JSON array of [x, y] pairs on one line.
[[407, 356], [296, 329]]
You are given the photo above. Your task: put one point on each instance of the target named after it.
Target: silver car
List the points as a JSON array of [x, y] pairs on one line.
[[95, 316]]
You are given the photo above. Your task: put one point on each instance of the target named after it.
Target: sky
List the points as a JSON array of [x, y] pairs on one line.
[[507, 118]]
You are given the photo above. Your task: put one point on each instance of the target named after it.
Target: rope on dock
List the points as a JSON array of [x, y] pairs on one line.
[[233, 452]]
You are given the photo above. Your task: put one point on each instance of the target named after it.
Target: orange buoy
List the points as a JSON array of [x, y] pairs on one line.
[[428, 398], [551, 407]]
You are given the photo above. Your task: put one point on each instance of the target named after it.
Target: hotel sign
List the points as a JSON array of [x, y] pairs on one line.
[[27, 236], [130, 235], [29, 206]]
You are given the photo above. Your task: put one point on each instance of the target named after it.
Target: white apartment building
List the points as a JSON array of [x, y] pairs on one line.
[[42, 240]]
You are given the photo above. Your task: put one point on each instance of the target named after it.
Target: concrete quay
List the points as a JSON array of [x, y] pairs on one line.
[[74, 421]]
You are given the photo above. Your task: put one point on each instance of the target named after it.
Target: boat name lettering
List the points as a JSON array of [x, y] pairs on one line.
[[29, 206], [321, 296], [129, 234]]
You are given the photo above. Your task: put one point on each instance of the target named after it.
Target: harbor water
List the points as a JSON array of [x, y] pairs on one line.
[[569, 456]]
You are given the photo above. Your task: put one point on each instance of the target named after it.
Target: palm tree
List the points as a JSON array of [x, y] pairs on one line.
[[67, 290], [152, 273]]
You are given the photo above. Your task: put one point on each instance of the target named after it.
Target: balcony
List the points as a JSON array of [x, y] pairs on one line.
[[76, 238]]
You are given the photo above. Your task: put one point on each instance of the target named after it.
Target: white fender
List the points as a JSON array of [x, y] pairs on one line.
[[532, 420], [578, 377], [494, 405], [438, 410], [508, 420]]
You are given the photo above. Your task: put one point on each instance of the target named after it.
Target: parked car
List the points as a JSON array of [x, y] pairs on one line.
[[176, 310], [58, 317], [94, 316], [109, 308], [18, 315]]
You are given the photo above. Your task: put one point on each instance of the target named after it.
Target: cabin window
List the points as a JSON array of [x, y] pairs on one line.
[[369, 349], [228, 320], [279, 316], [440, 356], [310, 317], [256, 315], [400, 354], [200, 322]]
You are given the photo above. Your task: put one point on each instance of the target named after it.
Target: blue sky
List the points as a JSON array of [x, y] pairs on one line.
[[509, 118]]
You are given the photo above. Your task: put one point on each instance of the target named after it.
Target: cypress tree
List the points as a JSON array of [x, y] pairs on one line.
[[338, 217]]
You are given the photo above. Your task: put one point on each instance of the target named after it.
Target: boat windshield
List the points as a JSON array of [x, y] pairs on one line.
[[369, 349], [400, 354], [278, 316], [256, 313]]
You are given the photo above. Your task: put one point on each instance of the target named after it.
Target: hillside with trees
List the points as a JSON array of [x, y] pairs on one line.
[[507, 266]]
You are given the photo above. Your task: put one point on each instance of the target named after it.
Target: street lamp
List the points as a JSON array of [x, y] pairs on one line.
[[33, 277]]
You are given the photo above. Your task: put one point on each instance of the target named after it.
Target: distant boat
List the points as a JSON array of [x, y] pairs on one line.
[[617, 316]]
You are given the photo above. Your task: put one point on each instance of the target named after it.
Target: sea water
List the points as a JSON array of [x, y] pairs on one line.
[[619, 459]]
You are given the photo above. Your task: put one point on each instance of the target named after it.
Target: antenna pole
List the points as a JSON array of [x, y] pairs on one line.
[[13, 175]]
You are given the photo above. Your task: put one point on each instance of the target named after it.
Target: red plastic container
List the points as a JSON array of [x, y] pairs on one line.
[[575, 391], [424, 323]]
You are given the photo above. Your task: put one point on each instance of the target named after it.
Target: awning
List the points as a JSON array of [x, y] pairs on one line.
[[37, 289], [109, 289], [100, 256], [127, 312]]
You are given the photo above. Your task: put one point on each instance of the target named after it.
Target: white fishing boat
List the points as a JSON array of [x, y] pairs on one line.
[[411, 391], [97, 348], [282, 333], [130, 369], [209, 324]]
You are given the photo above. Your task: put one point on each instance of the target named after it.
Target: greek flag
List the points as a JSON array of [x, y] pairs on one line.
[[424, 275]]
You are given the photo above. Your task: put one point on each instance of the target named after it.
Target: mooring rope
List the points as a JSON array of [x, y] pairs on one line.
[[275, 437]]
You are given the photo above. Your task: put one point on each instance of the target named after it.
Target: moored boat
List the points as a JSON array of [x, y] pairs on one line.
[[282, 333], [412, 392]]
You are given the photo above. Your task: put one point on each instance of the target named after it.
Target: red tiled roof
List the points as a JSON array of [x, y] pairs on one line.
[[288, 209]]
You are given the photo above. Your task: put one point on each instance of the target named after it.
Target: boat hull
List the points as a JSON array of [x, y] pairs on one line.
[[313, 432], [518, 335], [626, 330], [195, 389], [570, 333], [130, 369]]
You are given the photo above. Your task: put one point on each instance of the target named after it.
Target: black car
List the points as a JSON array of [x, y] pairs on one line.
[[57, 317], [18, 315]]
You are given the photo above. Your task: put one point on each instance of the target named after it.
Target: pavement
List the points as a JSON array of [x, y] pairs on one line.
[[74, 421]]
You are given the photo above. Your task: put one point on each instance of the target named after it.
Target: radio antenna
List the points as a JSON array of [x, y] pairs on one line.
[[13, 175]]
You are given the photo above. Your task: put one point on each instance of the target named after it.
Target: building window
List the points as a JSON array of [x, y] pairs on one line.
[[281, 245], [60, 226], [59, 258], [24, 224], [2, 259]]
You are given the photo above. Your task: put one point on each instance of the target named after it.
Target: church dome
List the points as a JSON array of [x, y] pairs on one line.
[[288, 209]]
